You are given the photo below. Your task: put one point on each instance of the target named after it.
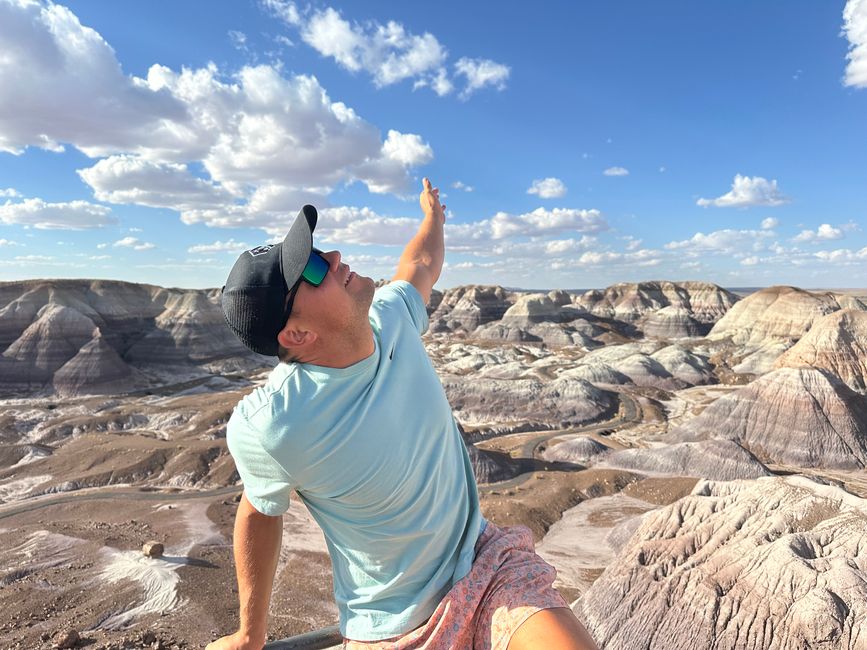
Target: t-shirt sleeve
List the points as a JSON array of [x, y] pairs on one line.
[[402, 296], [266, 484]]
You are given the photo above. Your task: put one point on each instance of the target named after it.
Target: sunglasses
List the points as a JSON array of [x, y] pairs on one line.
[[314, 274]]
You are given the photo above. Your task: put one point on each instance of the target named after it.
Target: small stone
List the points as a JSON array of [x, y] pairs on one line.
[[152, 549], [148, 637], [67, 639]]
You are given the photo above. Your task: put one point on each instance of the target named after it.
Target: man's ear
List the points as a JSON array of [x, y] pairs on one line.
[[293, 337]]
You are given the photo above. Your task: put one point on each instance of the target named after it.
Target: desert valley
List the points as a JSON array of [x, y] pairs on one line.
[[689, 458]]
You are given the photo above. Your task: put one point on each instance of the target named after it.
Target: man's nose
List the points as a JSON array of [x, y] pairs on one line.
[[333, 258]]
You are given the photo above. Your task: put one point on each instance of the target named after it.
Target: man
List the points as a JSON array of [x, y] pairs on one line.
[[357, 423]]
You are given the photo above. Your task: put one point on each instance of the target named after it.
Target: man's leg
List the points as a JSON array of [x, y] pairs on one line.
[[552, 629]]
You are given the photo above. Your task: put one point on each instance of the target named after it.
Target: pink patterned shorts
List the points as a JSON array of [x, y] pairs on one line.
[[506, 585]]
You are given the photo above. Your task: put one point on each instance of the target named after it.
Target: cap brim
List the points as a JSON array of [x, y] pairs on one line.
[[297, 245]]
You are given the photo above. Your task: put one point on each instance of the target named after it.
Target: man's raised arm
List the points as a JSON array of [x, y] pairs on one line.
[[422, 259]]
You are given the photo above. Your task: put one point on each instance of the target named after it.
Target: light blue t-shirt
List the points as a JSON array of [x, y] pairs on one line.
[[375, 454]]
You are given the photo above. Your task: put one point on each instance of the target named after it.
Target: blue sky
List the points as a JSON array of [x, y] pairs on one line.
[[577, 144]]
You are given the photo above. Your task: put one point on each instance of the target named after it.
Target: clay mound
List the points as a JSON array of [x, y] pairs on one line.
[[581, 450], [767, 564], [492, 466], [532, 308], [49, 342], [597, 373], [837, 343], [673, 323], [526, 403], [630, 301], [718, 460], [644, 370], [96, 369], [692, 369], [767, 322], [466, 308], [792, 416]]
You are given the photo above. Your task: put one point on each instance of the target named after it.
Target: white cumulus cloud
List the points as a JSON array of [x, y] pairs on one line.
[[134, 243], [72, 215], [770, 223], [726, 241], [616, 171], [855, 28], [824, 232], [747, 191], [480, 73], [9, 192], [458, 185], [548, 188], [252, 129], [230, 246]]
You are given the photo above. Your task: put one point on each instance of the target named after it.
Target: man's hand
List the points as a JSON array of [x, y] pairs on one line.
[[429, 199], [236, 641]]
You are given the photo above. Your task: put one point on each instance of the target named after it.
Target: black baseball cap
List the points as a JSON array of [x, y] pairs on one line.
[[257, 286]]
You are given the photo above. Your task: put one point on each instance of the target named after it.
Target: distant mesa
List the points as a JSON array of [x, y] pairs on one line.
[[663, 309], [766, 563], [718, 460], [802, 417], [468, 307], [837, 343], [768, 322]]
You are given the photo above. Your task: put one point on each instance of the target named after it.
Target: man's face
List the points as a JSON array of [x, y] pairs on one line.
[[341, 302]]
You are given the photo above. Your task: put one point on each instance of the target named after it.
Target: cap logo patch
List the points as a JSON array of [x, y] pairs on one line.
[[261, 250]]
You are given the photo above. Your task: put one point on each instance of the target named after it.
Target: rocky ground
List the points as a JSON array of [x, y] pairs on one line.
[[596, 420]]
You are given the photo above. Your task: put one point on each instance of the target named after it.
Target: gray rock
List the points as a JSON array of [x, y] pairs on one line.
[[766, 564], [152, 549]]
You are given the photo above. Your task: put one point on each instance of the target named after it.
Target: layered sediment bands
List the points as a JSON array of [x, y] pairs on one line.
[[96, 368], [527, 402], [630, 302], [57, 334], [673, 323], [79, 336], [719, 460], [837, 343], [466, 308], [768, 564], [766, 323], [793, 416]]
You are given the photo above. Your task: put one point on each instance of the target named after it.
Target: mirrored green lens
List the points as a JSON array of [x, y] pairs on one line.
[[316, 269]]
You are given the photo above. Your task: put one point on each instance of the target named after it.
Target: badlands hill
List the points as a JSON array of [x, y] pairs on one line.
[[836, 342], [792, 416], [768, 322], [98, 336], [769, 564], [94, 336]]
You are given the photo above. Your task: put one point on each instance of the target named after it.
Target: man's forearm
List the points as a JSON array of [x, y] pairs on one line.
[[427, 247], [256, 544]]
